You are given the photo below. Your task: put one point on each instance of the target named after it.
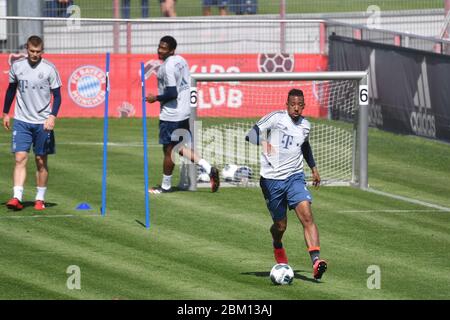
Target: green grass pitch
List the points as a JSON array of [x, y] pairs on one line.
[[104, 9], [217, 246]]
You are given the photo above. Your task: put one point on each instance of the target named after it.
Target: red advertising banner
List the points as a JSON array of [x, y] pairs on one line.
[[84, 83]]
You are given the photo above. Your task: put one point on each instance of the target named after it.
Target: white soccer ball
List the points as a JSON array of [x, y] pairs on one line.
[[282, 274], [228, 172], [202, 176], [243, 172]]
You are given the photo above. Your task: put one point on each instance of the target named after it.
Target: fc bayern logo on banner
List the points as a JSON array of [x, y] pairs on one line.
[[87, 86]]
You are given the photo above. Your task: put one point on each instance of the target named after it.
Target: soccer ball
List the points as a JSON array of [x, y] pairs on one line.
[[235, 173], [202, 175], [228, 172], [281, 274], [276, 62]]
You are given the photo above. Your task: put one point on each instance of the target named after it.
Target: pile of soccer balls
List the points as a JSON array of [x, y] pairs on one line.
[[282, 274], [230, 173]]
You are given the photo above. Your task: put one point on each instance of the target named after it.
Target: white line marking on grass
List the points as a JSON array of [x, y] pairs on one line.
[[387, 211], [110, 144], [406, 199], [50, 216]]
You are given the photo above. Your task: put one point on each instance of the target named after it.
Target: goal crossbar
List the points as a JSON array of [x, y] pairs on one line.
[[360, 158], [256, 76]]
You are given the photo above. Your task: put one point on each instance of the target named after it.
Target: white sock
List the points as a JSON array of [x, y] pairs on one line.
[[40, 194], [18, 192], [166, 182], [205, 165]]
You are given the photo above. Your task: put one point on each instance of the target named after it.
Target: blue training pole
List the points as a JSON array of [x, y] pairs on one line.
[[144, 133], [105, 138]]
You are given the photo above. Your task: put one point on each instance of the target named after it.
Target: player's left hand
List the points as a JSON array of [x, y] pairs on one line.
[[49, 124], [150, 98], [6, 121], [315, 177]]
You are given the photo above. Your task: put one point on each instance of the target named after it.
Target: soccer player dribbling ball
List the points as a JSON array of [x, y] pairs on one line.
[[33, 79], [284, 138]]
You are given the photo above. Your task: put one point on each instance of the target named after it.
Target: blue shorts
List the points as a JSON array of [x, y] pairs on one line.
[[167, 128], [282, 193], [220, 3], [26, 134]]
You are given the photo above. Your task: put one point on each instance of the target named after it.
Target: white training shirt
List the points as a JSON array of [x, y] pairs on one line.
[[33, 89], [286, 138], [174, 72]]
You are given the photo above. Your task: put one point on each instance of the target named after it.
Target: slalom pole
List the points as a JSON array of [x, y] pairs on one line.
[[105, 137], [144, 133]]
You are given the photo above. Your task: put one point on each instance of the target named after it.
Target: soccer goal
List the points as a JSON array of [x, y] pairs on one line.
[[225, 106]]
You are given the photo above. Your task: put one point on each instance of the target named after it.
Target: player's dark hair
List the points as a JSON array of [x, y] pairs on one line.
[[35, 41], [295, 92], [170, 41]]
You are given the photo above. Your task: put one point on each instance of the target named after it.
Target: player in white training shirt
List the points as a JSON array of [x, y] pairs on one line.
[[174, 81], [32, 80], [284, 138]]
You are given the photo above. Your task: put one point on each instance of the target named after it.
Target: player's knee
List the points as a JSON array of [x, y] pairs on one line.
[[307, 219], [41, 163], [21, 160], [280, 226]]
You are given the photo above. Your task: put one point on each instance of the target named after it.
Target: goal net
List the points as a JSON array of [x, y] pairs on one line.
[[226, 109]]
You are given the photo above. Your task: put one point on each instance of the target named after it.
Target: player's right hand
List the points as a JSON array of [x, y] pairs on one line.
[[6, 121], [150, 98]]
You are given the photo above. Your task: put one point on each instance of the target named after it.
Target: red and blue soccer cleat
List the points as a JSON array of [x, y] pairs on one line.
[[319, 268], [14, 204]]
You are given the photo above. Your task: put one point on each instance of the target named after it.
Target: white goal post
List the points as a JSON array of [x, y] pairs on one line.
[[346, 91]]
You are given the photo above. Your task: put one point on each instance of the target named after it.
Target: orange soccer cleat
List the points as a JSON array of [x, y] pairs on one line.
[[14, 204], [39, 205], [319, 268]]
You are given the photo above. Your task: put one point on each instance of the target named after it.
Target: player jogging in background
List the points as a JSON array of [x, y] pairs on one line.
[[284, 138], [174, 81], [33, 79]]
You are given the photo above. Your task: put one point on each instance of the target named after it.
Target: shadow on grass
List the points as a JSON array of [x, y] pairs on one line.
[[141, 223], [266, 274], [27, 204]]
